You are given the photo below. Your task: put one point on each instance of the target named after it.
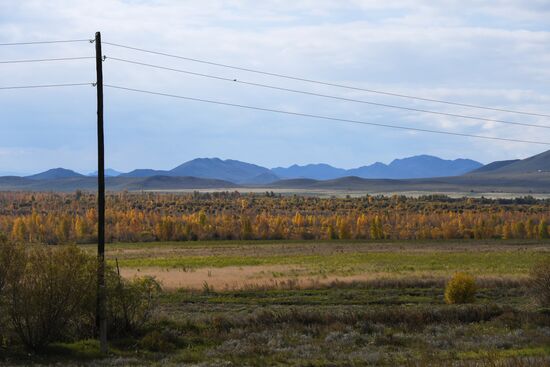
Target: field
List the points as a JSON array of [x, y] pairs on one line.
[[271, 280], [350, 303], [238, 264]]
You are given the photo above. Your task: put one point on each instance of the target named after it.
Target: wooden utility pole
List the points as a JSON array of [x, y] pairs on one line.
[[101, 320]]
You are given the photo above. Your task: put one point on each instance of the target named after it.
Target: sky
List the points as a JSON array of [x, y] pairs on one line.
[[494, 54]]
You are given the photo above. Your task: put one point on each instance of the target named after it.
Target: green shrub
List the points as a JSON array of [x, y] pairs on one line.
[[539, 282], [130, 303], [11, 260], [156, 341], [49, 294], [461, 288]]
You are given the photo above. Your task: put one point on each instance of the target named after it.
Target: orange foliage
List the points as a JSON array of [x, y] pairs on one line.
[[133, 217]]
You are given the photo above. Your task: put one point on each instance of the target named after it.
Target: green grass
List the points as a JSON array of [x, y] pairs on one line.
[[384, 323], [499, 263], [239, 243], [347, 326]]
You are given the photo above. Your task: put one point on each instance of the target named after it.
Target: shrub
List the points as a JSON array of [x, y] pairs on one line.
[[156, 341], [130, 303], [11, 257], [461, 288], [539, 282], [11, 260], [49, 294]]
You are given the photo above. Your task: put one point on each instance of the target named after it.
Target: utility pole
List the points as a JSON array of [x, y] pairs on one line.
[[101, 320]]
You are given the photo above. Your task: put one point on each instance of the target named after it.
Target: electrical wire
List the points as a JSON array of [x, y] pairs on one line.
[[45, 60], [323, 117], [45, 86], [301, 79], [326, 95], [45, 42]]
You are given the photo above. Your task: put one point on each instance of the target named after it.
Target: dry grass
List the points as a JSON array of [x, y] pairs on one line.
[[290, 277]]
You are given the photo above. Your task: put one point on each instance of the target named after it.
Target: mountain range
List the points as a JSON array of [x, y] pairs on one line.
[[238, 172], [422, 173], [420, 166]]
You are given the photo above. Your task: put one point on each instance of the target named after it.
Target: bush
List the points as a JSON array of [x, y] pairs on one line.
[[48, 296], [11, 257], [11, 260], [130, 303], [461, 288], [156, 341], [539, 282]]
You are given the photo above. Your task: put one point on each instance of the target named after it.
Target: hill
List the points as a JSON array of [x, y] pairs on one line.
[[420, 166], [11, 183], [319, 171], [144, 172], [525, 183], [109, 172], [229, 170], [213, 168], [55, 174], [241, 173], [530, 175], [494, 166], [535, 164]]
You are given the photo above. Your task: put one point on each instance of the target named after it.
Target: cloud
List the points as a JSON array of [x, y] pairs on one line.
[[466, 51]]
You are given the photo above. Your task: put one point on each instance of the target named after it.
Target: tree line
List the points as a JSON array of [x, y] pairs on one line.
[[56, 218]]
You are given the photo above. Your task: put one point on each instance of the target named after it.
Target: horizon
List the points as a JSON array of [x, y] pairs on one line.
[[91, 172], [482, 55]]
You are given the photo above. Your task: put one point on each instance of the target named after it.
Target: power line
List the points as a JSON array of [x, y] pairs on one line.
[[44, 42], [45, 60], [328, 83], [324, 117], [46, 86], [326, 95]]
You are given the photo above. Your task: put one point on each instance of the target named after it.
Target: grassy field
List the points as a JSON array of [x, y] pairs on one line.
[[236, 264], [349, 303], [331, 304]]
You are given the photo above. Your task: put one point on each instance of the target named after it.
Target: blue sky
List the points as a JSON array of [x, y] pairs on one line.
[[488, 53]]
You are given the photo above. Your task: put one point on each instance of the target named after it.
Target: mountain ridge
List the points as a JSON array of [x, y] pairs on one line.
[[419, 166], [417, 172], [240, 172], [55, 174]]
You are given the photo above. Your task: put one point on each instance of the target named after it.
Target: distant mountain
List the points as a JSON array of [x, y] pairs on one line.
[[493, 166], [536, 164], [144, 173], [171, 183], [113, 183], [55, 174], [229, 170], [530, 175], [213, 168], [413, 167], [521, 183], [246, 173], [109, 172], [421, 166], [10, 173], [263, 178], [319, 171]]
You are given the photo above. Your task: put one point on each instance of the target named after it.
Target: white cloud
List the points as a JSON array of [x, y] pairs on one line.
[[466, 51]]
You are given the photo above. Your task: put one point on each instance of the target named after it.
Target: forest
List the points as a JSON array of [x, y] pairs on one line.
[[59, 218]]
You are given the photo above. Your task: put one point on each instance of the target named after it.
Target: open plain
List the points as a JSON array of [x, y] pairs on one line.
[[338, 303]]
